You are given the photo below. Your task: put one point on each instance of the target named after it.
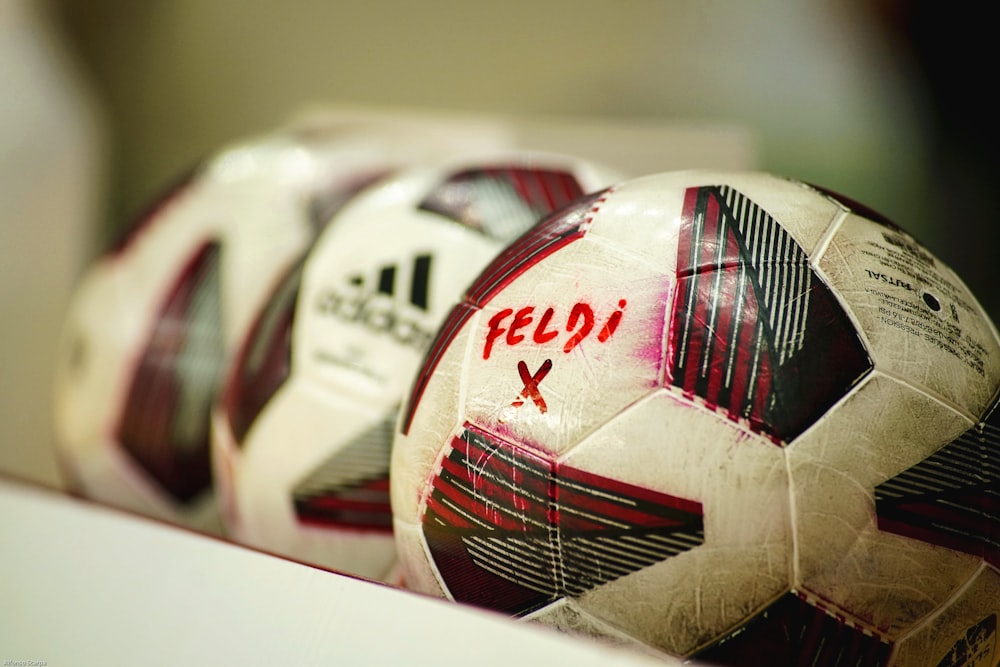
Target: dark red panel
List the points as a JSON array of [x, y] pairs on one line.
[[502, 201], [755, 333], [513, 531], [792, 632], [264, 361], [164, 426]]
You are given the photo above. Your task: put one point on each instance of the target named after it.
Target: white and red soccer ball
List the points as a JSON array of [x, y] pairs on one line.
[[155, 319], [727, 417], [302, 433]]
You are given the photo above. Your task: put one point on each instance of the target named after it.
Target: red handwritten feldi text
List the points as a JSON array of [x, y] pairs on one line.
[[548, 326]]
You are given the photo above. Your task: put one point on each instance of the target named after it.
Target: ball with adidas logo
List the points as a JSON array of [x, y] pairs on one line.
[[302, 433]]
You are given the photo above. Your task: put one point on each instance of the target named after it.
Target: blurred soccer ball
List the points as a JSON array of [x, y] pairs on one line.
[[301, 440], [154, 320], [723, 416]]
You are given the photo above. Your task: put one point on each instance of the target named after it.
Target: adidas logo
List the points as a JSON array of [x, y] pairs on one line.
[[419, 280], [381, 306]]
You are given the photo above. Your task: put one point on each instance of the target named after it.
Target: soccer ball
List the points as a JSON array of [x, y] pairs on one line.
[[727, 417], [302, 433], [154, 320]]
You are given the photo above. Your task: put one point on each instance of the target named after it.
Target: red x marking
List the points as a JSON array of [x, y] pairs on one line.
[[531, 383]]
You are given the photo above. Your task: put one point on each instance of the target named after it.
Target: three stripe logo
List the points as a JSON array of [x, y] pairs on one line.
[[376, 302], [386, 281]]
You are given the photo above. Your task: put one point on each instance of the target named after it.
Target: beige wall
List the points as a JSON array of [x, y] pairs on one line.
[[817, 82]]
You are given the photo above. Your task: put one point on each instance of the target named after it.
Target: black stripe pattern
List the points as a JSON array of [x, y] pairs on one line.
[[951, 498], [754, 332], [513, 531], [351, 487]]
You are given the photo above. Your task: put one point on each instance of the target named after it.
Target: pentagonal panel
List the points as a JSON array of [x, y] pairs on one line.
[[566, 615], [754, 331]]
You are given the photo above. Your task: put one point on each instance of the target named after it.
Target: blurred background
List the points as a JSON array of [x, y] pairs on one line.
[[104, 102]]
